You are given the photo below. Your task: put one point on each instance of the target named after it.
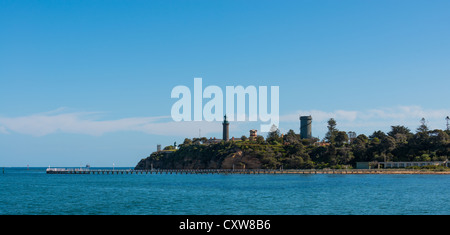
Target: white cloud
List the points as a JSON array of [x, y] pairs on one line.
[[395, 113], [367, 121], [319, 115], [3, 130], [91, 123], [88, 123]]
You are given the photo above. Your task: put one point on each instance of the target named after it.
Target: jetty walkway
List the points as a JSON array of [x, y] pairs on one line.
[[238, 171]]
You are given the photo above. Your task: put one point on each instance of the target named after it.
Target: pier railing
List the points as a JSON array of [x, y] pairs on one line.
[[232, 171]]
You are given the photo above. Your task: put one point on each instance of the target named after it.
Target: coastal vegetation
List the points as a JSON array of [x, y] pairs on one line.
[[339, 149]]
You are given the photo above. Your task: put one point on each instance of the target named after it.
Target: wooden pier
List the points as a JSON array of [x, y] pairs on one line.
[[234, 171]]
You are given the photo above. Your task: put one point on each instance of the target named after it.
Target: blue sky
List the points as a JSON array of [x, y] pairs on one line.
[[90, 81]]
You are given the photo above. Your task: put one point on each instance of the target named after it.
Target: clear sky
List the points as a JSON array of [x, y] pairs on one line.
[[90, 81]]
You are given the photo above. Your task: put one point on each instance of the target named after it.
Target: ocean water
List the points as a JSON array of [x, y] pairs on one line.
[[33, 192]]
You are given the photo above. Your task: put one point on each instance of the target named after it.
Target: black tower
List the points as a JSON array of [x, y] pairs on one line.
[[305, 127], [226, 135]]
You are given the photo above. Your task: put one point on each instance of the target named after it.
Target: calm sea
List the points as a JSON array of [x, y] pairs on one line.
[[32, 191]]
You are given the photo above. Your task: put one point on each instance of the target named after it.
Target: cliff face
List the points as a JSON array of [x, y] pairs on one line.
[[239, 160], [213, 156]]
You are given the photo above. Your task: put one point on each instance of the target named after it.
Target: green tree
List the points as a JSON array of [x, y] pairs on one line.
[[187, 141], [448, 123], [291, 137], [363, 138], [170, 147], [332, 131], [423, 128], [294, 149], [439, 139], [387, 144], [274, 136], [259, 139], [377, 134], [359, 149], [351, 135], [399, 130], [401, 134], [294, 162], [330, 155], [341, 138], [344, 156]]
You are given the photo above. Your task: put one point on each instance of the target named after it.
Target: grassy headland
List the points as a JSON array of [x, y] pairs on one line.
[[338, 150]]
